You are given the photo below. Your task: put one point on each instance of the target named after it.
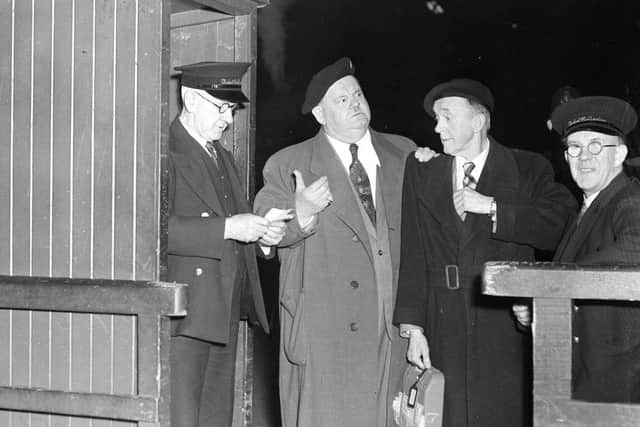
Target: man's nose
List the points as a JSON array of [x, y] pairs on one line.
[[355, 103]]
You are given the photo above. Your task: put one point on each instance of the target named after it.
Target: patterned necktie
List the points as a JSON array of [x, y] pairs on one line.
[[361, 183], [468, 180], [211, 148]]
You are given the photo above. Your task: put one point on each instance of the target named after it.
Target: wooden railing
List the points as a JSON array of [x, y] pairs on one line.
[[552, 287], [150, 302]]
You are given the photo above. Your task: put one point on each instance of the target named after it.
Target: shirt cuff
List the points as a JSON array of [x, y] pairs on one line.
[[406, 328]]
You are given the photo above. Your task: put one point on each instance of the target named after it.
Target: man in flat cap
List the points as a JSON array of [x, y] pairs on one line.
[[480, 201], [211, 229], [339, 258], [606, 349]]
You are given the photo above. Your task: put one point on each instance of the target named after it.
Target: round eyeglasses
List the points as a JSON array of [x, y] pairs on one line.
[[222, 108], [594, 148]]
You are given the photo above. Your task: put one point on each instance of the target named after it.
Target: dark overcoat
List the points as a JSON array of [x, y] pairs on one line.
[[198, 254], [473, 338], [330, 355], [606, 347]]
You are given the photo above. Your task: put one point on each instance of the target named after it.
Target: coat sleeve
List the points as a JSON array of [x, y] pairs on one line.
[[537, 213], [624, 248], [411, 301], [279, 192], [192, 235]]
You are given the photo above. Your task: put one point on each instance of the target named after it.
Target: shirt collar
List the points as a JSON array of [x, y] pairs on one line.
[[365, 149]]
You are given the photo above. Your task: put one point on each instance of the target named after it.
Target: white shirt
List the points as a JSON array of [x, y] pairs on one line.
[[366, 154], [479, 162]]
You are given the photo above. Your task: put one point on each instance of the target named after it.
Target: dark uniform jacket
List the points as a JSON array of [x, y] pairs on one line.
[[606, 349], [473, 338], [198, 254]]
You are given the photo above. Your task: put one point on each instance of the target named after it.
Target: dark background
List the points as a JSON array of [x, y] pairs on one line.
[[523, 50]]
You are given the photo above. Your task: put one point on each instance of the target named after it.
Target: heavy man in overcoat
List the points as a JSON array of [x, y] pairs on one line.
[[606, 345], [338, 272], [454, 219], [210, 230]]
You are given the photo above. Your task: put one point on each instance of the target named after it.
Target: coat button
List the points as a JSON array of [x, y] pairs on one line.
[[198, 271], [576, 339], [204, 214], [354, 238], [380, 252], [576, 308], [354, 326], [354, 284]]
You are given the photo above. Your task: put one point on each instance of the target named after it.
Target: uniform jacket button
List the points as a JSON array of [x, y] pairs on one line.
[[354, 326], [198, 271], [576, 308], [576, 339], [204, 214], [354, 284]]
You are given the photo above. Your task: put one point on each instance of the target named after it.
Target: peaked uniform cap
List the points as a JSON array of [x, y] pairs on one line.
[[222, 80], [604, 114]]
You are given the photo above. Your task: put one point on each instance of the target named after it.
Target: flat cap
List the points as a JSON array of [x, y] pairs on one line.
[[464, 88], [604, 114], [323, 80], [219, 79]]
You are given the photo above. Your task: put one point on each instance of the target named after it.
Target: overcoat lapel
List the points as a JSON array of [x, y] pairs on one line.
[[391, 181], [439, 188], [189, 162], [325, 162], [499, 176], [574, 239]]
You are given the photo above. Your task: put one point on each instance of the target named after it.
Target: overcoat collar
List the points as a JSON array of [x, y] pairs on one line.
[[189, 159], [577, 233]]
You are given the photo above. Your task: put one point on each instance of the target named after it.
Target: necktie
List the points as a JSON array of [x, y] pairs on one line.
[[361, 183], [211, 149], [583, 209], [467, 181]]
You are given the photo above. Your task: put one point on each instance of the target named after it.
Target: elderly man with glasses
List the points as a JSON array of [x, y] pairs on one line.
[[211, 231], [606, 351]]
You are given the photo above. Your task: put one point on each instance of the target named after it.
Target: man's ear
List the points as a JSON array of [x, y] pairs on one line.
[[318, 113], [189, 99], [478, 121], [621, 153]]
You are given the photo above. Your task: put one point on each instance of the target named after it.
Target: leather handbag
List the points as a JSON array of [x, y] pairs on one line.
[[419, 403]]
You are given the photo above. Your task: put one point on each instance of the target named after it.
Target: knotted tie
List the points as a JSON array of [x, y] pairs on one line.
[[211, 149], [361, 183], [467, 181]]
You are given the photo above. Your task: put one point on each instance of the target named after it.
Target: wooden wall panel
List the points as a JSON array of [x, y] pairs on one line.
[[81, 103]]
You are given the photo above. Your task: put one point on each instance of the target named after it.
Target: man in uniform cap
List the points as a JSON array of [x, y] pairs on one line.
[[339, 259], [606, 351], [211, 229], [480, 201]]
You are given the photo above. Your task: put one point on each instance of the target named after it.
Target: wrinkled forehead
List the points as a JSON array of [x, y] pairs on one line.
[[343, 86], [451, 103]]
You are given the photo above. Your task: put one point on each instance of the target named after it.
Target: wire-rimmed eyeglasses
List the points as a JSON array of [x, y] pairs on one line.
[[222, 108], [594, 148]]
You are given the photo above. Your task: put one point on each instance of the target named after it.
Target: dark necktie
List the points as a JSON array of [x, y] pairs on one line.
[[468, 180], [361, 183], [213, 153]]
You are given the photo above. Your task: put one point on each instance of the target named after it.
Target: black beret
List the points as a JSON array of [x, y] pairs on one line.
[[219, 79], [604, 114], [464, 88], [323, 79]]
